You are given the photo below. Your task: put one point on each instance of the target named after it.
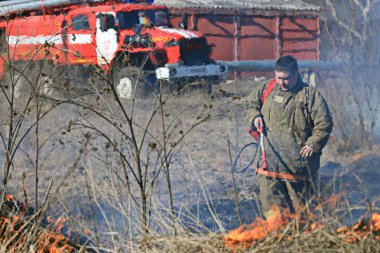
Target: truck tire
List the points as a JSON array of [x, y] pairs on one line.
[[30, 79], [129, 82], [124, 87], [20, 80]]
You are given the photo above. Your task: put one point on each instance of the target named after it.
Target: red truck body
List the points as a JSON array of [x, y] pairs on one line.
[[96, 33]]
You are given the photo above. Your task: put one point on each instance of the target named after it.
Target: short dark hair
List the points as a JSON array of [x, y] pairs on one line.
[[287, 63]]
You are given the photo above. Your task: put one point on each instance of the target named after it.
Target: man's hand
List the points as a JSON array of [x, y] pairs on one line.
[[306, 151], [258, 122]]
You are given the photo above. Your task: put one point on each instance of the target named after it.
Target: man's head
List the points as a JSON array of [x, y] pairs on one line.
[[161, 18], [143, 19], [286, 72]]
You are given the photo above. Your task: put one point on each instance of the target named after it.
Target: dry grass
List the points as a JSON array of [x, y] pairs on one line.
[[185, 243], [323, 239], [200, 173], [318, 241]]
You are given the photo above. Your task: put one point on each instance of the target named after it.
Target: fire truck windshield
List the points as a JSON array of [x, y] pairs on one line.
[[128, 20]]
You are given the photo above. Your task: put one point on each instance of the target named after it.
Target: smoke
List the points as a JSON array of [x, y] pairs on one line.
[[350, 34]]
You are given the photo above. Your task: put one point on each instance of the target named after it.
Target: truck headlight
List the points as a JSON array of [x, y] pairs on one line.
[[222, 68]]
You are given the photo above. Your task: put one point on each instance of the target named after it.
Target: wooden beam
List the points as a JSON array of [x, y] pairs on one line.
[[237, 32], [237, 35], [277, 39], [318, 52]]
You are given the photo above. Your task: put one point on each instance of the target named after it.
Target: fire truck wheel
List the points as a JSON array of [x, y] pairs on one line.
[[15, 80], [129, 83], [30, 80], [125, 88], [21, 86], [17, 86]]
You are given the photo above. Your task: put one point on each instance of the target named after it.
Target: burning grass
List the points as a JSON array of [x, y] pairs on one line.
[[286, 232], [17, 235], [321, 240], [281, 231], [21, 234]]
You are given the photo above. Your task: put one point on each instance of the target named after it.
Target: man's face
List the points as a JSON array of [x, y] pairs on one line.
[[286, 80]]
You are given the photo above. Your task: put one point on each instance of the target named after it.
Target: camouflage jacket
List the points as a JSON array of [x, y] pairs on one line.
[[292, 119]]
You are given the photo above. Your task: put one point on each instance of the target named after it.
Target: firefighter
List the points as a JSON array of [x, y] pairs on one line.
[[297, 123], [161, 19], [144, 20]]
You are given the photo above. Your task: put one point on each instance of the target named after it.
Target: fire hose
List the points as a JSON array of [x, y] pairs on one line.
[[255, 144], [259, 136], [263, 153]]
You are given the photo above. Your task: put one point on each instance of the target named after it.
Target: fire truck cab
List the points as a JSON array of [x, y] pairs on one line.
[[111, 35]]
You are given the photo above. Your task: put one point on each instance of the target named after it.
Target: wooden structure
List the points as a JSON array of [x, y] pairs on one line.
[[252, 29]]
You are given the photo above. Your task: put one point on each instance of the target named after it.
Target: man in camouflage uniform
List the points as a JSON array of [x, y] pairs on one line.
[[297, 124]]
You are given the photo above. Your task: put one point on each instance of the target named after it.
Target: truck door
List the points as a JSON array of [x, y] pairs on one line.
[[79, 41], [106, 37]]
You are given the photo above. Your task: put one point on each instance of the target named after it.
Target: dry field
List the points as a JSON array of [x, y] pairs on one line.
[[78, 159]]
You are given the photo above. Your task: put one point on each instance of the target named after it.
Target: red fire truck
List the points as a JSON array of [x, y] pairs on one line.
[[118, 37]]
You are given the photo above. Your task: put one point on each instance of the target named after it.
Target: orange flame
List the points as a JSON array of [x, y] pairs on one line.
[[16, 232], [279, 219], [245, 235], [46, 241], [361, 229]]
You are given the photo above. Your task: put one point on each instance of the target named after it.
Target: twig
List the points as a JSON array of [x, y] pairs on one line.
[[48, 192], [233, 182]]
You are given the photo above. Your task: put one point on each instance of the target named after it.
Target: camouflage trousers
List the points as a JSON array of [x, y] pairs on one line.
[[295, 196]]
